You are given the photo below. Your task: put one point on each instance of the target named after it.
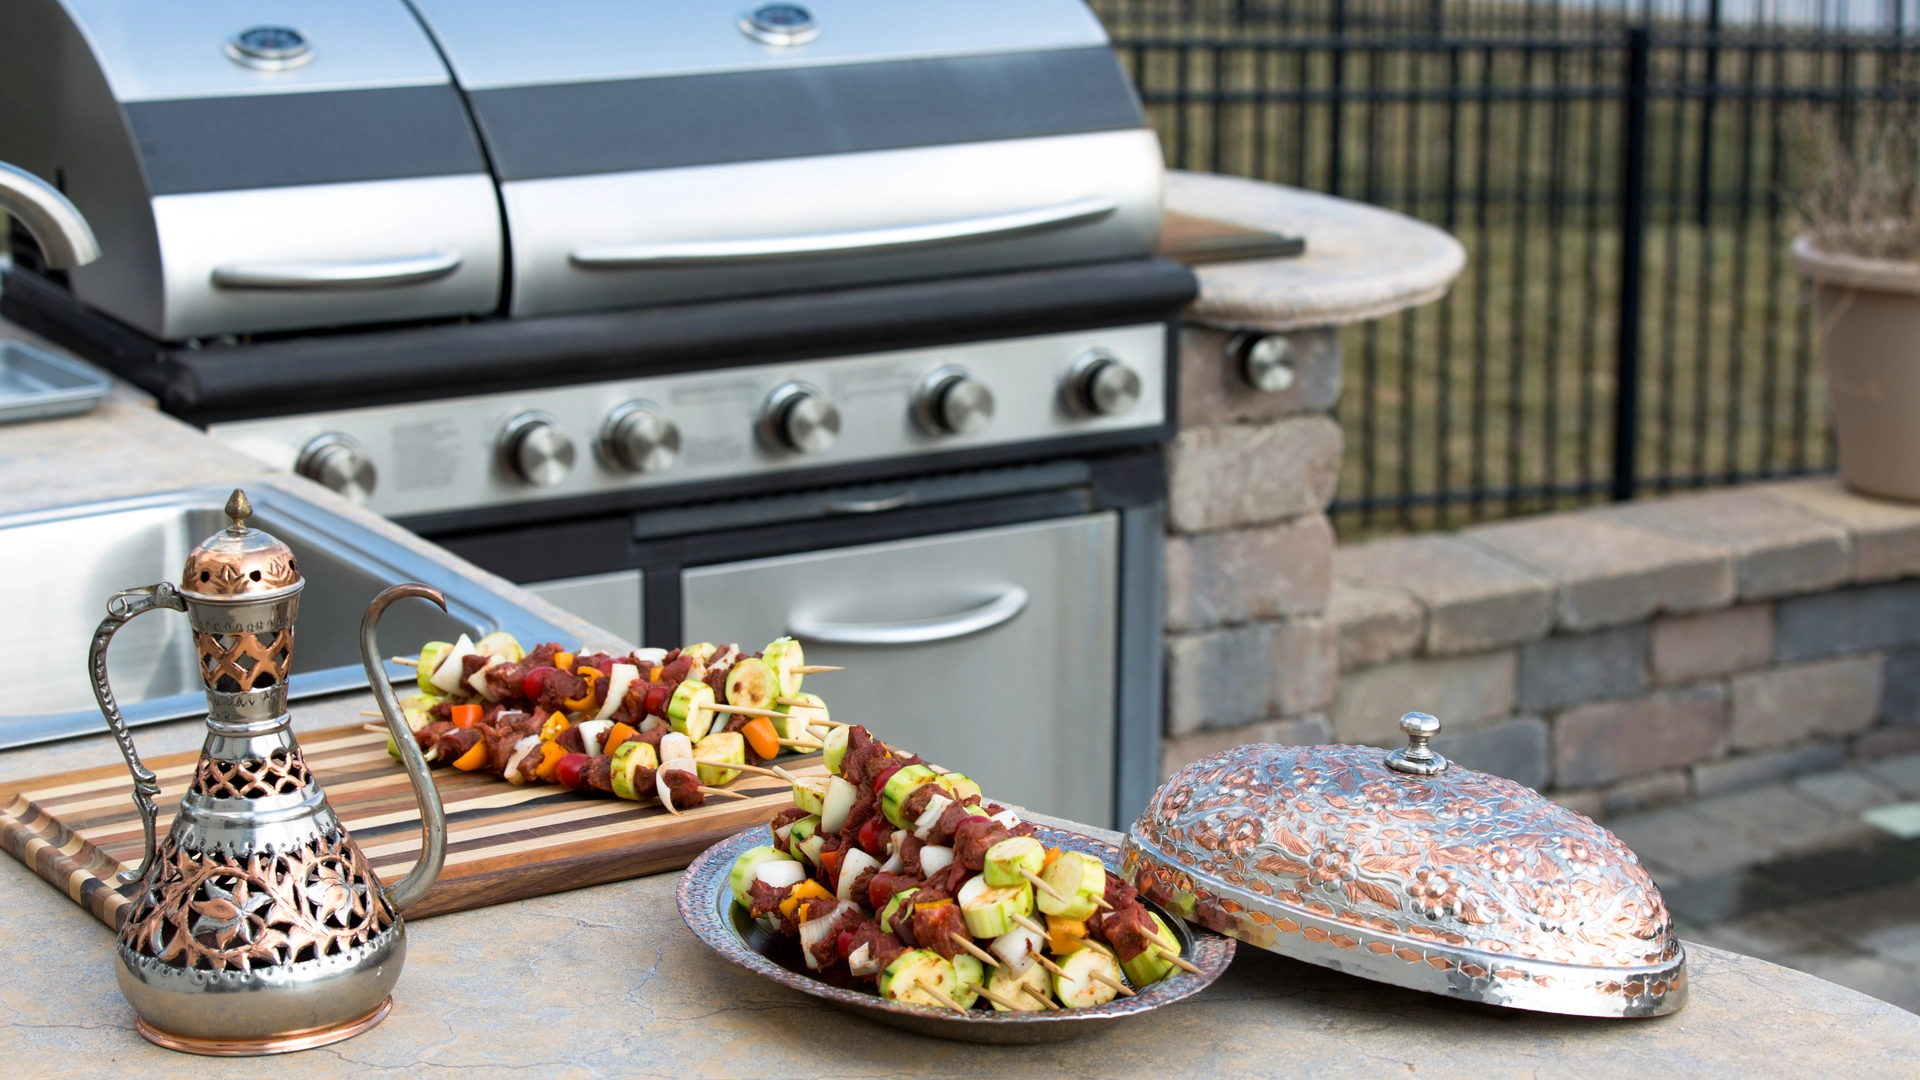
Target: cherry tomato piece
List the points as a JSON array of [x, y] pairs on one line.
[[658, 695], [570, 770], [845, 943], [885, 774], [874, 834], [535, 682]]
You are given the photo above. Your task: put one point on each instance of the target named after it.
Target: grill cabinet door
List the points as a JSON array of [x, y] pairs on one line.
[[1023, 704]]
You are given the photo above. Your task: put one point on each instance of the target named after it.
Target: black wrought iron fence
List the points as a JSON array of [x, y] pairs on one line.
[[1622, 177]]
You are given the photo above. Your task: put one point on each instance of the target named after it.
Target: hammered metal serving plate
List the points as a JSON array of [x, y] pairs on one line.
[[706, 903], [1454, 882]]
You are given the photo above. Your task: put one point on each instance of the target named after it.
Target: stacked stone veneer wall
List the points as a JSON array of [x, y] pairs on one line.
[[1251, 654], [1620, 657]]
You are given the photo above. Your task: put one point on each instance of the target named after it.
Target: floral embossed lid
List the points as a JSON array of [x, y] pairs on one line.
[[1399, 867], [239, 561]]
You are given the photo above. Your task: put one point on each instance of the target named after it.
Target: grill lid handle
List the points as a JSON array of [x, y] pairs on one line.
[[850, 242], [339, 274]]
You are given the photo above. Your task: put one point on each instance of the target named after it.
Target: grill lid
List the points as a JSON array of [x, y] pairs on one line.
[[1399, 867]]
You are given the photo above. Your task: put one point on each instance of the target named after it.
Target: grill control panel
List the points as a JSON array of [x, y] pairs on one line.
[[498, 449]]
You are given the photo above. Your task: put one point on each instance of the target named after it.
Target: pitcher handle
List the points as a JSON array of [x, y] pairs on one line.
[[404, 893], [121, 610]]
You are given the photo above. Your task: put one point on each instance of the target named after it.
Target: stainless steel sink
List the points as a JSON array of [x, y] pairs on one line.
[[64, 564]]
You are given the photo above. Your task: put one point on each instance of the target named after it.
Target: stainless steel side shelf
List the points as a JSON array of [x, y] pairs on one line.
[[37, 385], [65, 560]]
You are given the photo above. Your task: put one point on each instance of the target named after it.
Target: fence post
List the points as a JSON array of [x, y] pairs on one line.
[[1633, 222]]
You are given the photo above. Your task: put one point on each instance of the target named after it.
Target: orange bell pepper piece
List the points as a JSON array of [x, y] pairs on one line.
[[1065, 935], [1053, 854], [464, 716], [761, 737], [806, 890], [585, 700], [473, 759], [550, 755], [555, 724], [616, 735], [563, 661]]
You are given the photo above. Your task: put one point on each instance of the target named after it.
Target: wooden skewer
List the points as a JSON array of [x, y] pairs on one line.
[[373, 713], [778, 774], [381, 728], [1175, 959], [802, 743], [1050, 966], [979, 953], [724, 791], [1039, 997], [785, 775], [939, 995], [743, 710], [1040, 883], [997, 999], [403, 661], [1030, 924], [815, 669], [1119, 987], [1102, 902]]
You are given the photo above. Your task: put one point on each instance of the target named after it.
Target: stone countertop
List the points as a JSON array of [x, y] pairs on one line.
[[1361, 262], [608, 980]]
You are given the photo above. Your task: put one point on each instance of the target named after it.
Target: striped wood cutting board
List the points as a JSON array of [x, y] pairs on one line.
[[78, 829]]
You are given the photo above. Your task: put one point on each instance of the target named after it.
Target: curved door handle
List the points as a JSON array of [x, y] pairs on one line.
[[1002, 608], [340, 274], [850, 242]]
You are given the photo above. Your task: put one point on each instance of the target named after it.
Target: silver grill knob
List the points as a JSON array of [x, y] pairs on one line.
[[637, 437], [953, 402], [533, 448], [337, 462], [799, 417], [1100, 385]]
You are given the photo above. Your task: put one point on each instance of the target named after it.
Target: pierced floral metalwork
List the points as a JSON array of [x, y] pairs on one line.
[[1466, 880], [284, 772], [215, 912]]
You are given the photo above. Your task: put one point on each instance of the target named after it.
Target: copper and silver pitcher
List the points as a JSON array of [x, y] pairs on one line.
[[258, 926]]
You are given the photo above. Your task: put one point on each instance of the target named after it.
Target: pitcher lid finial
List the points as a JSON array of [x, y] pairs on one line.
[[239, 508]]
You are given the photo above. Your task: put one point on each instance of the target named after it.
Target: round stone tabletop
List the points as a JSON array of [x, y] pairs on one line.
[[1361, 262]]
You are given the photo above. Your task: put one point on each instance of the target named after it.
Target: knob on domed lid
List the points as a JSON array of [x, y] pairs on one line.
[[239, 560]]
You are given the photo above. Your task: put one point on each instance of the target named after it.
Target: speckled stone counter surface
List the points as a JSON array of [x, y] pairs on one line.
[[1361, 262], [608, 980]]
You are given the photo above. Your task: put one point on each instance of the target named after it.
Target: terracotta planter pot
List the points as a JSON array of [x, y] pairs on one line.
[[1870, 340]]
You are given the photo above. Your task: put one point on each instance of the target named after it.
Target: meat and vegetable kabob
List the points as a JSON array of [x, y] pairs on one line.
[[909, 877], [675, 725]]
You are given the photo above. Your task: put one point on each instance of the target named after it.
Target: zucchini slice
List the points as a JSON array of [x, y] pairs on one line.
[[968, 974], [989, 911], [1078, 989], [1007, 985], [632, 755], [836, 749], [900, 785], [1150, 967], [720, 748], [783, 656], [691, 709], [912, 972], [793, 725], [1080, 879], [447, 668], [810, 794], [751, 683], [1006, 860], [430, 655]]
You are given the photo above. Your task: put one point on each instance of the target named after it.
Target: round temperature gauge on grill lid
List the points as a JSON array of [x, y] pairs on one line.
[[1399, 867], [780, 24], [270, 48]]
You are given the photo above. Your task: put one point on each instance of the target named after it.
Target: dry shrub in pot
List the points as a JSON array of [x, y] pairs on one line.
[[1861, 201]]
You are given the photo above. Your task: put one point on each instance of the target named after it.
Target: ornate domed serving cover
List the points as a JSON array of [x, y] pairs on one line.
[[1397, 867]]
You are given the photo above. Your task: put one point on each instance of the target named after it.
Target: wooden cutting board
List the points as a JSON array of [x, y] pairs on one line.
[[78, 829]]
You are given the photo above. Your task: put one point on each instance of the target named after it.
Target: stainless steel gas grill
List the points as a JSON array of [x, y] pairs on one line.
[[838, 320]]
